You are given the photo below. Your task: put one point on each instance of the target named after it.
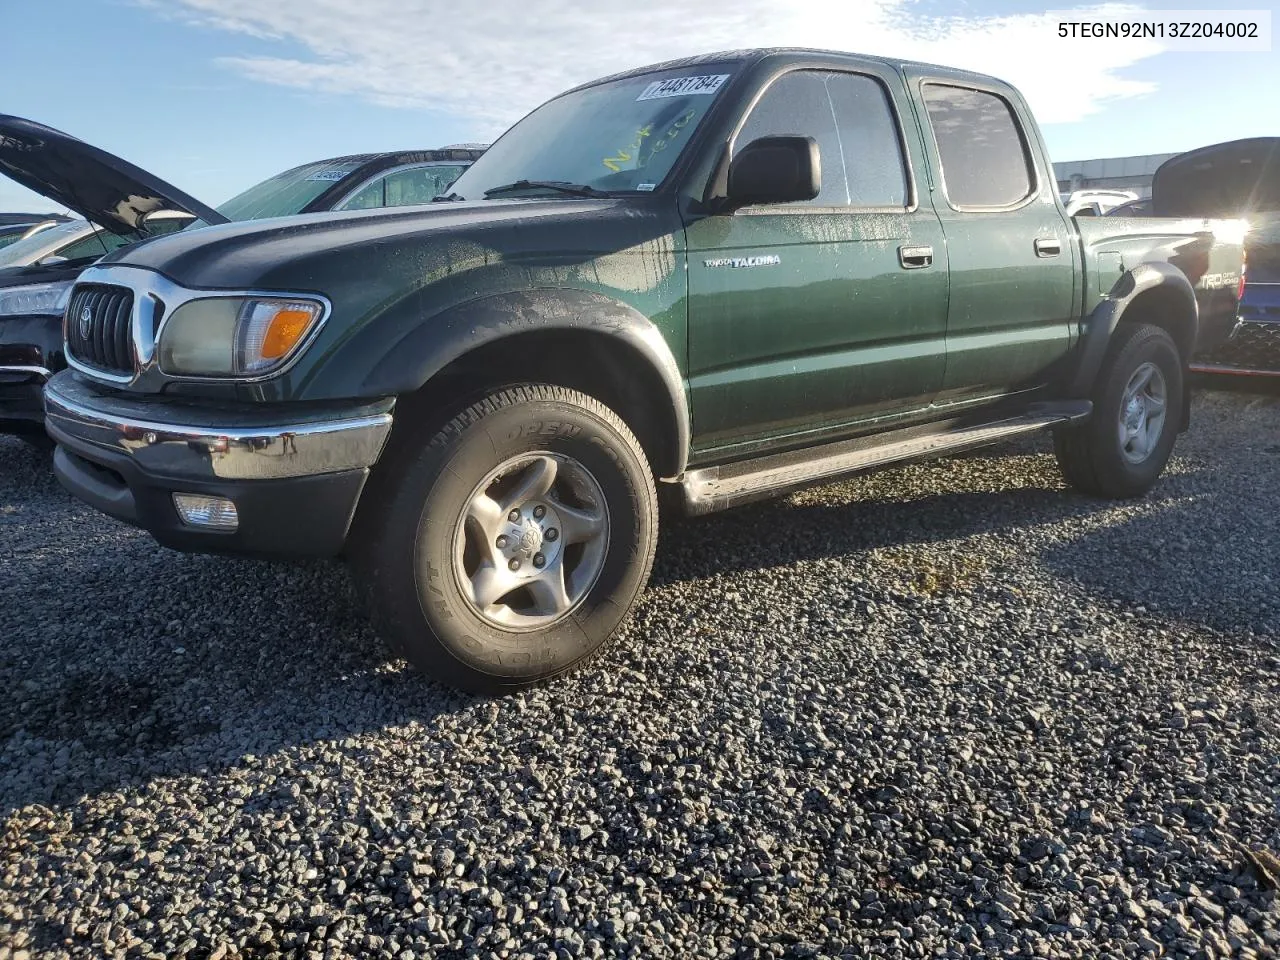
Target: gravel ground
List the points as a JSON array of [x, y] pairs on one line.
[[946, 710]]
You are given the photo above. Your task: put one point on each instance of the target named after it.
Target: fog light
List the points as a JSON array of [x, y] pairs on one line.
[[213, 513]]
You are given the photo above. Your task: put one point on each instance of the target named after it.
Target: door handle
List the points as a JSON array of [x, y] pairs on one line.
[[1048, 246], [913, 258]]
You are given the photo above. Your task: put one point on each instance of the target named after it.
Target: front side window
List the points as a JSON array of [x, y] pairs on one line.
[[623, 135], [402, 188], [418, 184], [850, 118], [985, 161], [874, 167], [797, 105], [97, 244]]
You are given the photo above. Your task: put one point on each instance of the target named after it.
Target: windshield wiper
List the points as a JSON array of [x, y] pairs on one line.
[[561, 186], [446, 198]]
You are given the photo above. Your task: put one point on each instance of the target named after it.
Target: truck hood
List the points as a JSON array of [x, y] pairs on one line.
[[102, 188], [1226, 180], [305, 251]]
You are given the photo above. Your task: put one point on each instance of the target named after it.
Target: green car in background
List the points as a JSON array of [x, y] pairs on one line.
[[122, 204]]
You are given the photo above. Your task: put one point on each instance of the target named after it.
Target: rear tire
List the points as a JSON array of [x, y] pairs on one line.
[[511, 545], [1120, 452]]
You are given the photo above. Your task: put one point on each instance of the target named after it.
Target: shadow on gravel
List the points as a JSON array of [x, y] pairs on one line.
[[122, 661], [1259, 386], [774, 534], [125, 662]]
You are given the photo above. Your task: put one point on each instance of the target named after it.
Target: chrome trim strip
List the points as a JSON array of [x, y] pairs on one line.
[[94, 372], [212, 450], [151, 289], [44, 372], [1239, 371]]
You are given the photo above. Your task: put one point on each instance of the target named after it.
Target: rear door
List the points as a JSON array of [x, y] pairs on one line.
[[808, 317], [1014, 262]]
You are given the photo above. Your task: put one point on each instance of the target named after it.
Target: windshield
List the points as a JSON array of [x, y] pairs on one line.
[[22, 253], [286, 193], [621, 135]]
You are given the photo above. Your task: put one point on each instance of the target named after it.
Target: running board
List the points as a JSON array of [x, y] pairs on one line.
[[717, 488]]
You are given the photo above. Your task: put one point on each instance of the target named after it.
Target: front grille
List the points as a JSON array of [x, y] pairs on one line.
[[98, 327], [1253, 346]]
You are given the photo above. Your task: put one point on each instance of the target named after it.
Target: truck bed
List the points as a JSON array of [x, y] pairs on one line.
[[1209, 253]]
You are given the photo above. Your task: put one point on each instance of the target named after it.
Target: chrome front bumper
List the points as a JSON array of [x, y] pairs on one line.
[[294, 476], [183, 440]]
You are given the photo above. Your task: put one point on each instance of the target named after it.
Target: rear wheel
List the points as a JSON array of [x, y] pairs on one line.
[[1123, 448], [513, 543]]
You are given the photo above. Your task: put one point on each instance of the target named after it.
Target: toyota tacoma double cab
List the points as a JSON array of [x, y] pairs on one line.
[[725, 277]]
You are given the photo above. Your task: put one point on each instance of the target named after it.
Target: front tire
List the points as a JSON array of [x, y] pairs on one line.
[[513, 543], [1120, 452]]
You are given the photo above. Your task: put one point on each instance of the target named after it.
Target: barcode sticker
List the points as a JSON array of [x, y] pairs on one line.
[[683, 87]]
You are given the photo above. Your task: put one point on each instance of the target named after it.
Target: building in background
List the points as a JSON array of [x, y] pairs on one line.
[[1110, 173]]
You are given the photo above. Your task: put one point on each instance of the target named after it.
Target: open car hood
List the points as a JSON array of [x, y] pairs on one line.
[[1225, 180], [102, 188]]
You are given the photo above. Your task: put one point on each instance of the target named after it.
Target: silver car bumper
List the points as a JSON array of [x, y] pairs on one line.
[[179, 440]]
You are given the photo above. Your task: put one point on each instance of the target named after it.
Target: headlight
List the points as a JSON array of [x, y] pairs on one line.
[[39, 299], [235, 336]]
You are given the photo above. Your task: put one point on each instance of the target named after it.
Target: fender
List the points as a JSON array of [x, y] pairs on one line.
[[1183, 322], [443, 338]]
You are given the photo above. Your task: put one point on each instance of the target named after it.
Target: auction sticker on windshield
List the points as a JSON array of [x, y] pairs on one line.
[[683, 87]]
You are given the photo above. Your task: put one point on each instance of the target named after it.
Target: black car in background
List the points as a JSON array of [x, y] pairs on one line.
[[1239, 179], [124, 204]]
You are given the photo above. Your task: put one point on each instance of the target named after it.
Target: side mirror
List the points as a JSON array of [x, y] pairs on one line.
[[775, 170], [51, 260]]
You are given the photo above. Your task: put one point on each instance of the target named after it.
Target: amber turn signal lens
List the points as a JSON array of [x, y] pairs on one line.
[[284, 331]]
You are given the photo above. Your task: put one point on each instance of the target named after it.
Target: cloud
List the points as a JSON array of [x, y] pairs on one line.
[[492, 61]]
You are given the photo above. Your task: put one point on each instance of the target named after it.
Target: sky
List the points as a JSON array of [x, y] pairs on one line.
[[215, 95]]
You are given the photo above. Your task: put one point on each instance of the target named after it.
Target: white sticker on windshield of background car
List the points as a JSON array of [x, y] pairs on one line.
[[646, 186], [683, 87], [330, 175]]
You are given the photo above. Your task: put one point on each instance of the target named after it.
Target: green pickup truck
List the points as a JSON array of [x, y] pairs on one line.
[[724, 277]]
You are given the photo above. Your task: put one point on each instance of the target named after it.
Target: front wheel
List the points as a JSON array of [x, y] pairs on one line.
[[514, 542], [1122, 449]]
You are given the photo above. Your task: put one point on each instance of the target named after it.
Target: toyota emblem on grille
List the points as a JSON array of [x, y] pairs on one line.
[[86, 323]]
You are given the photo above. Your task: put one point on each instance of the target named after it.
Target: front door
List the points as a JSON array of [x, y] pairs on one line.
[[1014, 269], [805, 318]]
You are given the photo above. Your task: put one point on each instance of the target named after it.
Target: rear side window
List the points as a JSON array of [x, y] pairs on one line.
[[985, 162], [850, 118]]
